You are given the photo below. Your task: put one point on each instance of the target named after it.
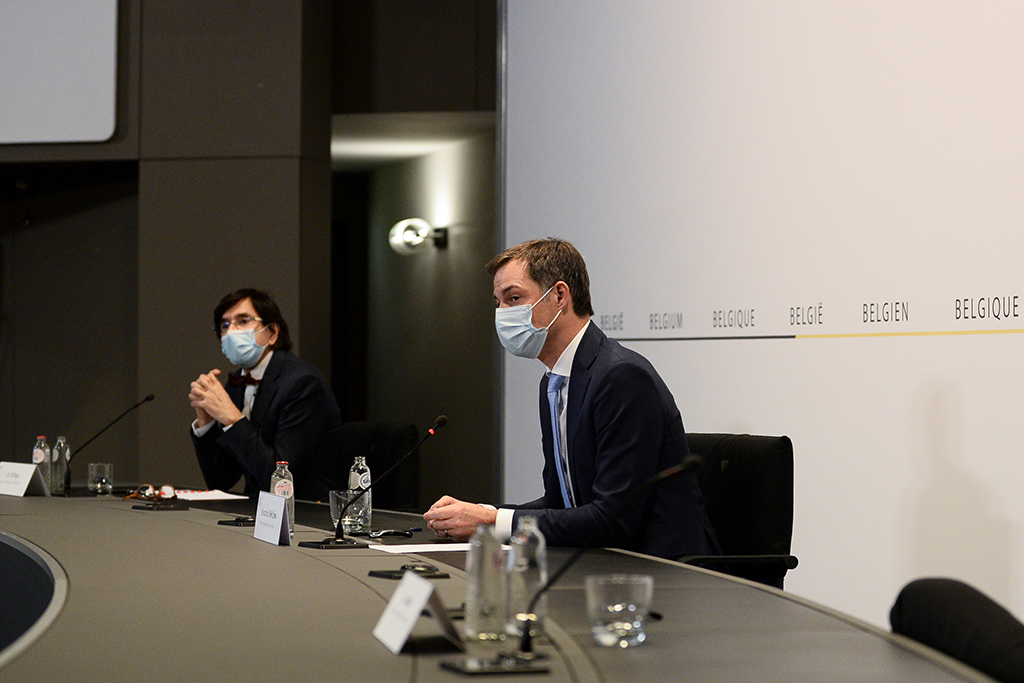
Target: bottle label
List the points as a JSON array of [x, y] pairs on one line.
[[38, 455], [364, 480], [283, 488]]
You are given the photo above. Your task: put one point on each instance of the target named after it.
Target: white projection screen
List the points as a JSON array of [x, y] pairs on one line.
[[808, 215], [58, 70]]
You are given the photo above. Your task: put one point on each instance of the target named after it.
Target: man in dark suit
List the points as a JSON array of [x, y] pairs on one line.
[[278, 407], [608, 422]]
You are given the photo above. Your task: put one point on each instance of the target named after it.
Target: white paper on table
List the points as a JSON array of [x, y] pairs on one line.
[[215, 494], [428, 548], [422, 548]]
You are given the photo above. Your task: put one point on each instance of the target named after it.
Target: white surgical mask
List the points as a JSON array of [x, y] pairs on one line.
[[516, 332], [240, 347]]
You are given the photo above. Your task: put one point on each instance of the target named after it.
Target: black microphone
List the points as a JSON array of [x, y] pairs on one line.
[[691, 462], [67, 470], [339, 533]]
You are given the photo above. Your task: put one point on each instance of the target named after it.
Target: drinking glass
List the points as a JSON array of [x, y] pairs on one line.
[[617, 606], [357, 517], [101, 478]]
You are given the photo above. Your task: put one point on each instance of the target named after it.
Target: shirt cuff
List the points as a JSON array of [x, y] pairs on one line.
[[199, 431], [503, 524]]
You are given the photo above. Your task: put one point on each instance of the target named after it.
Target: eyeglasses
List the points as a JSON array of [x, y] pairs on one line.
[[240, 323], [149, 492]]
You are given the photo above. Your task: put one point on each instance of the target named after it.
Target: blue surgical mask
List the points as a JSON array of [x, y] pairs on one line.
[[240, 347], [516, 332]]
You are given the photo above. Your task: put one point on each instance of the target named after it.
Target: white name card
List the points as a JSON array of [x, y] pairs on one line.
[[272, 519], [399, 617], [22, 479]]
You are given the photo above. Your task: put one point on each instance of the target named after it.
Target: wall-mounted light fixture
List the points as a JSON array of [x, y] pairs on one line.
[[411, 235]]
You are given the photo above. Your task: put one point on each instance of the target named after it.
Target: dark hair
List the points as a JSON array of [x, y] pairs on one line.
[[265, 308], [548, 261]]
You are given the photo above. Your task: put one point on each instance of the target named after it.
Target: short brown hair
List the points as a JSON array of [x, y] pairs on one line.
[[548, 261], [266, 308]]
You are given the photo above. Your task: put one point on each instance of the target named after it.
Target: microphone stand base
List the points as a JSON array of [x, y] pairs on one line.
[[503, 664], [334, 544]]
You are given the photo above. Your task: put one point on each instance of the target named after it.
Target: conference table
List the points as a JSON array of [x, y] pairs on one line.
[[173, 594]]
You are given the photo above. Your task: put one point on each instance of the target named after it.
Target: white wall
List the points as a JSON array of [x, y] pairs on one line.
[[760, 157]]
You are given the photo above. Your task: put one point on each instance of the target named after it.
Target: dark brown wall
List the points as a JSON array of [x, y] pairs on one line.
[[415, 55]]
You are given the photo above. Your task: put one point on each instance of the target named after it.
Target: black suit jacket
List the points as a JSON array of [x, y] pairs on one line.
[[294, 418], [622, 427]]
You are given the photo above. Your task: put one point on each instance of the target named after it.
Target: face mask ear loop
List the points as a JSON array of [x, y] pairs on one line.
[[542, 297], [548, 326]]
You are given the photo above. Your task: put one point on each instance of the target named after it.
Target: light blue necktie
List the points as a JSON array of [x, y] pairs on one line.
[[555, 383]]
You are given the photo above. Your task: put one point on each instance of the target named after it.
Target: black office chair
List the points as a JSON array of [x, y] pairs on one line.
[[964, 623], [383, 443], [747, 482]]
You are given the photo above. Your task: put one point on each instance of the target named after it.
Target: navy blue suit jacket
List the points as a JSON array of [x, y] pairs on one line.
[[622, 427], [294, 418]]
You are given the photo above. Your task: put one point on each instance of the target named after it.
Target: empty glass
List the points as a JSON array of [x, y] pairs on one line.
[[101, 478], [617, 606]]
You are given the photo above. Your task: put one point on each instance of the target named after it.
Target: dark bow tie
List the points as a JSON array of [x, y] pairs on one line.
[[237, 379]]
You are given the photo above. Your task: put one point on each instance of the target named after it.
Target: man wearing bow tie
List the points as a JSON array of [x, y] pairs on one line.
[[276, 407]]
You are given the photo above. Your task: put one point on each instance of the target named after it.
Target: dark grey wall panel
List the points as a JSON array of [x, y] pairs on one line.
[[221, 78], [68, 324]]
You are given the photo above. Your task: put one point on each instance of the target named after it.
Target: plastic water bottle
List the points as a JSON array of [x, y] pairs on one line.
[[41, 458], [361, 511], [486, 605], [527, 573], [61, 453], [283, 484]]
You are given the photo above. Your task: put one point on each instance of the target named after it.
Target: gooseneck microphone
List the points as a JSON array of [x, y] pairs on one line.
[[339, 540], [67, 470], [691, 462]]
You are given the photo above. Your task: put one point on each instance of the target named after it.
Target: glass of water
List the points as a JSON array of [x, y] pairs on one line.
[[357, 516], [617, 606], [101, 478]]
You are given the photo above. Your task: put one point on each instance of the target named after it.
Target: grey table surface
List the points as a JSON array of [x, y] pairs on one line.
[[176, 595]]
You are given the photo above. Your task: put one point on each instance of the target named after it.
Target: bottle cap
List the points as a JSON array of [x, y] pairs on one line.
[[41, 436], [282, 462]]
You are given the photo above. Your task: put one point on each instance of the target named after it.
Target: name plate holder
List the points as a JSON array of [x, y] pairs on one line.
[[22, 479], [272, 519], [412, 595]]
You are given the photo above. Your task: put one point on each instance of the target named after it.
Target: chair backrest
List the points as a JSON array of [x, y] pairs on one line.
[[383, 444], [964, 623], [747, 482]]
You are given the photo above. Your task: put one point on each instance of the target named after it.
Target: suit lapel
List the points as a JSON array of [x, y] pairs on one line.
[[579, 380]]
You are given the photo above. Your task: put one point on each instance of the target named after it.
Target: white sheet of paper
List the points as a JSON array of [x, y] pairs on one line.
[[272, 519], [215, 494], [404, 608], [423, 548], [21, 478]]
